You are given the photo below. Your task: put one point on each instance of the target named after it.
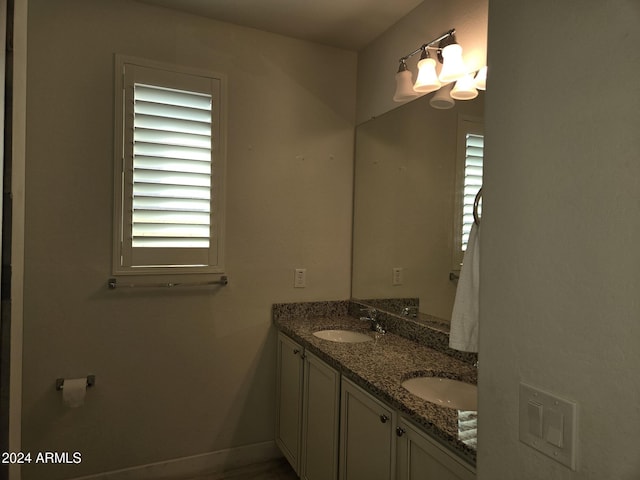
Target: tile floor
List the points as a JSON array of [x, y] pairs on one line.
[[275, 470]]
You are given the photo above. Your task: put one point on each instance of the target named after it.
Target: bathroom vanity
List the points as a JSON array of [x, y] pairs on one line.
[[342, 412]]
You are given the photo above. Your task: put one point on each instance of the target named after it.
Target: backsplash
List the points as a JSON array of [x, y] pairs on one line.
[[310, 309], [391, 305]]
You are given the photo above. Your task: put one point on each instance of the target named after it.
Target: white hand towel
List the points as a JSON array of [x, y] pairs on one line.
[[464, 318]]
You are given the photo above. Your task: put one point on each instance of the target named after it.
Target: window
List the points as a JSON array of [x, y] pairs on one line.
[[469, 181], [170, 164]]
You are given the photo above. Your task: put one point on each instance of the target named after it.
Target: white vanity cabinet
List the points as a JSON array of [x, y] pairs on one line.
[[418, 457], [367, 436], [289, 383], [329, 428], [308, 411]]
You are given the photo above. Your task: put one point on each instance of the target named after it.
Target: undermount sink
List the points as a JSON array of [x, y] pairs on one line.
[[444, 391], [343, 336]]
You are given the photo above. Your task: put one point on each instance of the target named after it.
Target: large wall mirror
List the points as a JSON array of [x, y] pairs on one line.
[[404, 206]]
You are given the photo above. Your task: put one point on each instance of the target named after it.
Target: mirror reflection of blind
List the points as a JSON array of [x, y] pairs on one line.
[[474, 150], [171, 168]]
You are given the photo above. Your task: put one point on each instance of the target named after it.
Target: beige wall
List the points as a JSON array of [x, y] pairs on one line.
[[178, 372], [378, 62], [561, 223]]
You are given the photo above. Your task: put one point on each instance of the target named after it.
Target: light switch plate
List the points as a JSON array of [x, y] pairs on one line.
[[555, 435]]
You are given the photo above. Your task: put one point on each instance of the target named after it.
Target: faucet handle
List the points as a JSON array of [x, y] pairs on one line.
[[371, 316], [410, 311], [372, 312]]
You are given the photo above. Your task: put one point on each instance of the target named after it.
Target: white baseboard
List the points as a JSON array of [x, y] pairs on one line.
[[206, 463]]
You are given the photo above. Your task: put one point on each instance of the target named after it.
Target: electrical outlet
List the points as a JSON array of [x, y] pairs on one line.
[[397, 276], [300, 278]]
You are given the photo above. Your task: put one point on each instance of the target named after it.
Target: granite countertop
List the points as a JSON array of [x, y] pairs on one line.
[[380, 367]]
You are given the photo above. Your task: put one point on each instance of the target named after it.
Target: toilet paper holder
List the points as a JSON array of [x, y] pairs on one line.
[[91, 381]]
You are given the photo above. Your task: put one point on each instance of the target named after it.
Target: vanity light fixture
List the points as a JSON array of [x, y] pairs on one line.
[[404, 83], [427, 80], [481, 78], [449, 53], [465, 88], [442, 99], [453, 67]]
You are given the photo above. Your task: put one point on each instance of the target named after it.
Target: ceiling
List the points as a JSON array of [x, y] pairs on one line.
[[350, 24]]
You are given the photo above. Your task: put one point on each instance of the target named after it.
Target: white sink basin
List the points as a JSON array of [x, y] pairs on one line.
[[343, 336], [444, 391]]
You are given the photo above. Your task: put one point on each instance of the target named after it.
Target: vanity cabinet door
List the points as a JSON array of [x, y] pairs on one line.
[[421, 458], [321, 415], [367, 437], [289, 399]]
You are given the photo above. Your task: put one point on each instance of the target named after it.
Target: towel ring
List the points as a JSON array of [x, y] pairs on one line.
[[476, 202]]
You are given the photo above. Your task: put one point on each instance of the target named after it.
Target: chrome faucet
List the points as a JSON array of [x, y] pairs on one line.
[[372, 316]]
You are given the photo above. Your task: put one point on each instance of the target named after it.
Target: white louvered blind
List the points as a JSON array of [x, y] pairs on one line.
[[171, 168], [473, 160]]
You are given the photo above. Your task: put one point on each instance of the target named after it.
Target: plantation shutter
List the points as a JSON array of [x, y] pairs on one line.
[[171, 168], [474, 153], [172, 171]]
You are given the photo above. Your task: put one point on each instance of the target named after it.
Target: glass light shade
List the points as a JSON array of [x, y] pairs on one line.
[[453, 66], [404, 87], [465, 88], [481, 79], [427, 80], [442, 99]]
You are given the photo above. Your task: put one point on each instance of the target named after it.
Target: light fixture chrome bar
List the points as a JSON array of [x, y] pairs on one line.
[[113, 284], [430, 44]]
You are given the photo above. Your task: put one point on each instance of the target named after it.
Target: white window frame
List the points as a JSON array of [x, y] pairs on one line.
[[160, 261], [467, 125]]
